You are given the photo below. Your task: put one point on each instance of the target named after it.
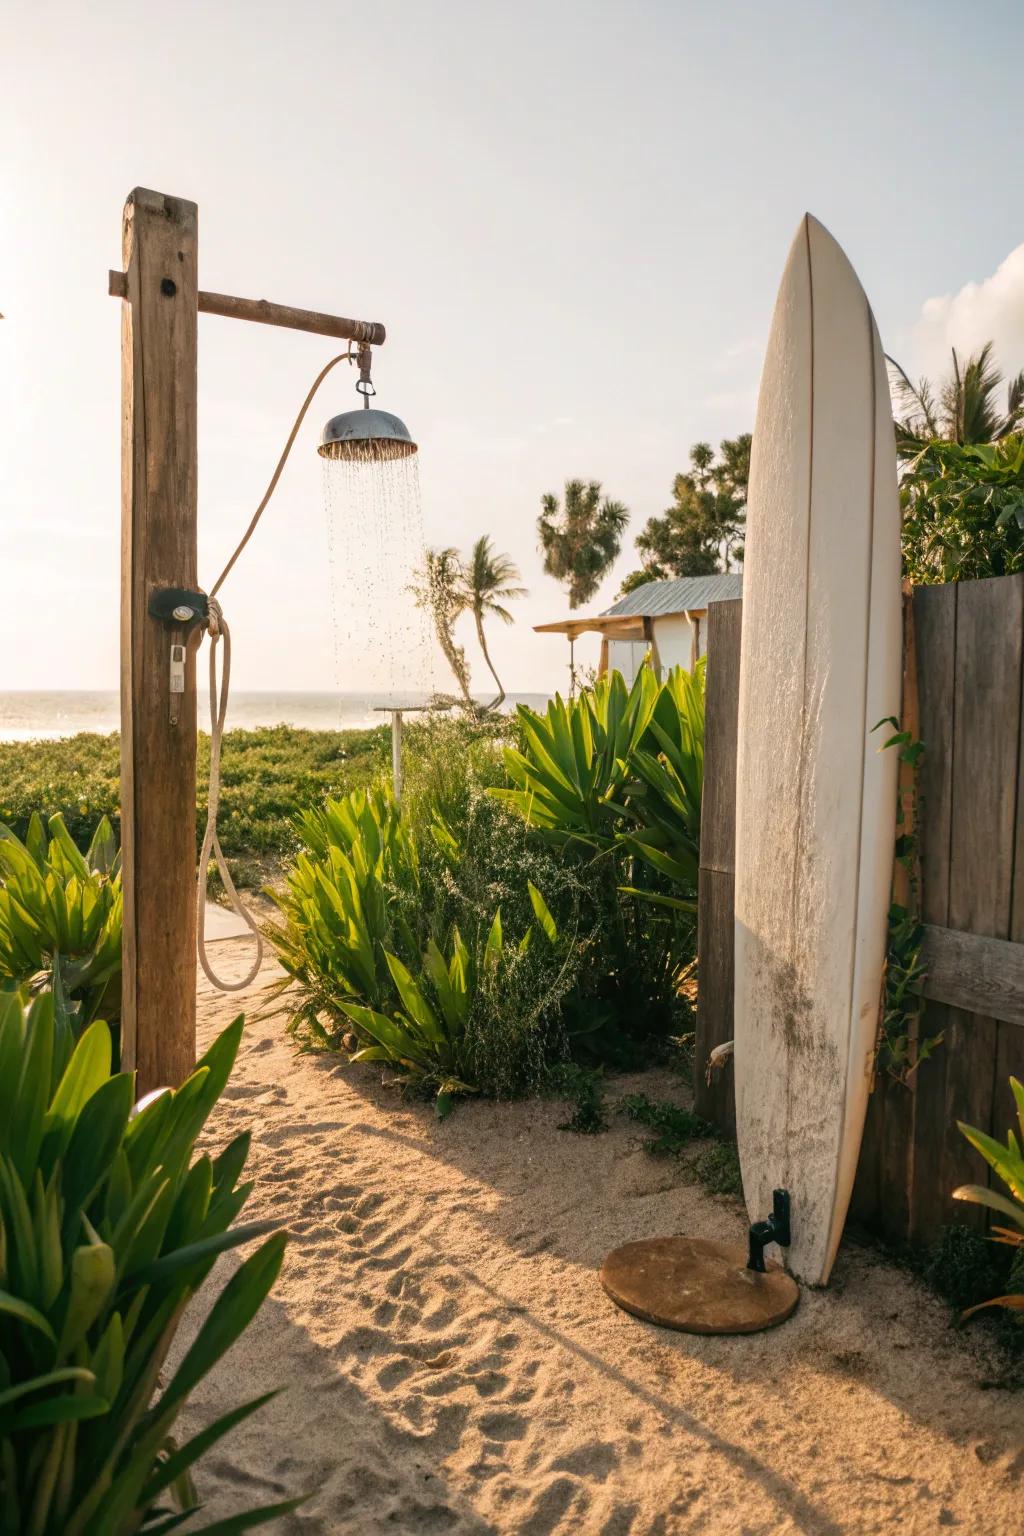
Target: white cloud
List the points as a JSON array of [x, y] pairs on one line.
[[992, 310]]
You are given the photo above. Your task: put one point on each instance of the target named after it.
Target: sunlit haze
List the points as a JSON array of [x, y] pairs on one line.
[[572, 219]]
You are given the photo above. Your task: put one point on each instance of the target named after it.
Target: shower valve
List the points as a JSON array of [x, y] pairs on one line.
[[179, 607]]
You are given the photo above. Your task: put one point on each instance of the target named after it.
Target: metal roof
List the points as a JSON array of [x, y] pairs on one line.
[[686, 594]]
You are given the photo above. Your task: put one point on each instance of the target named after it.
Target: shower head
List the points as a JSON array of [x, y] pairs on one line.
[[366, 434]]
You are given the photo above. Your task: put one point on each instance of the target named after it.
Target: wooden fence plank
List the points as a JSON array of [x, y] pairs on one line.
[[922, 1108], [986, 744], [985, 750], [881, 1192], [716, 1101], [981, 975], [721, 714], [935, 617]]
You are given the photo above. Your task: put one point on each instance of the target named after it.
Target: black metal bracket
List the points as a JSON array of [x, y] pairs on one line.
[[774, 1230], [179, 607]]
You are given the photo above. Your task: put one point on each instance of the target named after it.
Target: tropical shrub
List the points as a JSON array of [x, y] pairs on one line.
[[348, 901], [60, 915], [618, 771], [450, 1016], [963, 511], [107, 1230], [394, 936], [491, 927], [1008, 1163], [613, 781]]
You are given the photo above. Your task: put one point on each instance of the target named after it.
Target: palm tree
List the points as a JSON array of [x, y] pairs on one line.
[[439, 587], [963, 409], [488, 581], [581, 540]]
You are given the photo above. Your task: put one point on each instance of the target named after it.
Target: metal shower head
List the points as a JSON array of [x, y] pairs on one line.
[[366, 434]]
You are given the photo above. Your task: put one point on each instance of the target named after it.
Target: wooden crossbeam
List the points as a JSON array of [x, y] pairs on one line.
[[965, 970], [266, 313]]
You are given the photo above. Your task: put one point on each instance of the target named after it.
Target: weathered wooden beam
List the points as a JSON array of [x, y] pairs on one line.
[[266, 313], [652, 643], [965, 970], [715, 921], [159, 476]]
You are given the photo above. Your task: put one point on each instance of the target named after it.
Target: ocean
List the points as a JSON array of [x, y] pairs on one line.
[[39, 716]]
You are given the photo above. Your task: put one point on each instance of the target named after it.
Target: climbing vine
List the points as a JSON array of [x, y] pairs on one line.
[[900, 1048]]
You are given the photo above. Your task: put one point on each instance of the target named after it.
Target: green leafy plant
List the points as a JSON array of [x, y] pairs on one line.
[[425, 1036], [717, 1167], [613, 781], [619, 771], [668, 780], [347, 903], [963, 510], [571, 771], [432, 1035], [584, 1089], [900, 1047], [673, 1126], [387, 947], [382, 901], [1008, 1163], [107, 1230], [60, 914]]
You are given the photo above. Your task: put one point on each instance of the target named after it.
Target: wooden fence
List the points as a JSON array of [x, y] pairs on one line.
[[970, 675]]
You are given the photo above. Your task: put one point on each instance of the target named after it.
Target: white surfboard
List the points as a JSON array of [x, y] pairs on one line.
[[816, 796]]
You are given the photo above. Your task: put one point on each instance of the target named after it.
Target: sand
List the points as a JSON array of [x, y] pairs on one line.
[[452, 1364]]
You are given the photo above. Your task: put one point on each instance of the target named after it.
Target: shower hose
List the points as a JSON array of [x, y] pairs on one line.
[[218, 631]]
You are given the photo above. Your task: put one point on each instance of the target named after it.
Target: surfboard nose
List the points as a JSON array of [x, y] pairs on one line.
[[827, 257]]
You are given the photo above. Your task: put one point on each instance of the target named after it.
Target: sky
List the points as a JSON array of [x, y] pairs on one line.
[[572, 218]]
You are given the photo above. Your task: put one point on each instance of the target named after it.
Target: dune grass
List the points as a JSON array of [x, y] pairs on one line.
[[268, 776]]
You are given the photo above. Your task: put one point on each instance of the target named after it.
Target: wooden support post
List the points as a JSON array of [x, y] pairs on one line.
[[715, 1100], [158, 548], [396, 754], [602, 666], [652, 647]]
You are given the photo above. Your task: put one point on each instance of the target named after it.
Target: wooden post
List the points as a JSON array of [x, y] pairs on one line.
[[396, 754], [715, 924], [602, 665], [158, 548], [652, 645]]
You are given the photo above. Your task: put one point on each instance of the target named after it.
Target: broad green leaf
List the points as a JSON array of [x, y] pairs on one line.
[[542, 913], [231, 1314], [14, 1306]]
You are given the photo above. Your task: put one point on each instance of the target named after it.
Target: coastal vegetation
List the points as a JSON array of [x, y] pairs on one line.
[[447, 586], [963, 510], [701, 533], [490, 581], [963, 409], [267, 777], [1007, 1162], [580, 537], [60, 917], [532, 901], [109, 1225]]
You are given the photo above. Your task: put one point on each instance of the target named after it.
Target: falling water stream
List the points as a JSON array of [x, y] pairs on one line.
[[382, 640]]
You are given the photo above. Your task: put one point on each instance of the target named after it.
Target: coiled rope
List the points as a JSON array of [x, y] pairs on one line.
[[218, 630]]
